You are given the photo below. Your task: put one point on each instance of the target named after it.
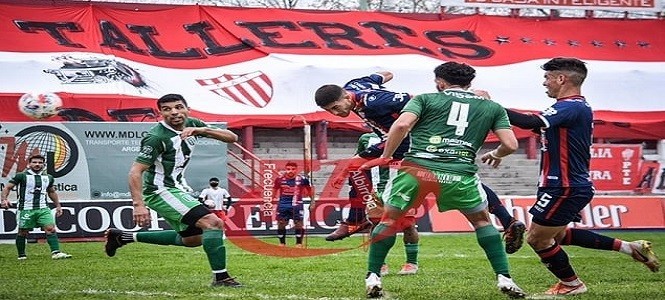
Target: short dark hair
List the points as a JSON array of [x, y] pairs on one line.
[[455, 73], [214, 179], [291, 164], [36, 156], [170, 98], [576, 68], [327, 94]]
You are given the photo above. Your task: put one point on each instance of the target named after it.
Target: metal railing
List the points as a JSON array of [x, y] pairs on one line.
[[246, 166]]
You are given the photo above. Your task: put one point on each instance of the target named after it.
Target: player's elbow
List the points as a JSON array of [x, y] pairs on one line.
[[402, 125], [507, 139], [510, 145], [230, 137]]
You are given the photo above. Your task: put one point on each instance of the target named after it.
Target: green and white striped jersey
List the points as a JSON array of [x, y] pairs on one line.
[[167, 154], [32, 188]]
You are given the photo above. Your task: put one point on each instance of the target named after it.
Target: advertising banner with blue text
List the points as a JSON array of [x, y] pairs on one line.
[[91, 160]]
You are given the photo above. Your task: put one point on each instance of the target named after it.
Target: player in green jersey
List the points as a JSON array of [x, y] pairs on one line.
[[156, 180], [379, 177], [33, 187], [446, 131]]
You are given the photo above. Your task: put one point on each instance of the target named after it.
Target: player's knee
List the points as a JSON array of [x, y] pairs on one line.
[[210, 221], [49, 229]]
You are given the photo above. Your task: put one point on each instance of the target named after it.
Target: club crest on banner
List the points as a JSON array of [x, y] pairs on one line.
[[253, 89], [94, 70]]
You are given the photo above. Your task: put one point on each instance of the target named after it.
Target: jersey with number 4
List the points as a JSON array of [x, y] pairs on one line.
[[452, 125], [379, 108]]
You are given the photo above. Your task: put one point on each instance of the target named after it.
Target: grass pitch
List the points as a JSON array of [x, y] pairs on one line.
[[452, 266]]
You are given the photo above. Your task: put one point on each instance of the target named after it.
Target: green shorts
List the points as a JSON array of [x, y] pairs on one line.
[[33, 218], [452, 191], [172, 204]]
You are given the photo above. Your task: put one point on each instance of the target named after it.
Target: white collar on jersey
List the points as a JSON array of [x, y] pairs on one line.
[[169, 127], [458, 89], [34, 173]]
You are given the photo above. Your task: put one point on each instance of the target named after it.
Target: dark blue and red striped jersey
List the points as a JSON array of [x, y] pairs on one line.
[[566, 143], [379, 108], [292, 190]]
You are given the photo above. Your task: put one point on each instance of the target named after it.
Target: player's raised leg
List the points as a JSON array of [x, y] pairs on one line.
[[513, 234]]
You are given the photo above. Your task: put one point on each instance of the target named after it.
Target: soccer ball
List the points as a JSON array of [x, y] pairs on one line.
[[209, 203], [39, 105]]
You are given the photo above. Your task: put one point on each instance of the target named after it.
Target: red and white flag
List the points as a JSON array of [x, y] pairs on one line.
[[254, 89], [107, 62]]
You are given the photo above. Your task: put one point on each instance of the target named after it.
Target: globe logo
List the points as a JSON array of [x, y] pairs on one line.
[[57, 146], [47, 142]]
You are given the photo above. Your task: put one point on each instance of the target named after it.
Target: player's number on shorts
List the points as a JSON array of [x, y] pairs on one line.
[[459, 114], [544, 200]]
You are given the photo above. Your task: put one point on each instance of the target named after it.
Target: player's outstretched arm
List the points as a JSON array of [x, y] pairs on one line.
[[387, 76], [525, 121], [219, 134]]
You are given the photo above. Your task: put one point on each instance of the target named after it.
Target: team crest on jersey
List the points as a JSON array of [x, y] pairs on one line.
[[252, 89]]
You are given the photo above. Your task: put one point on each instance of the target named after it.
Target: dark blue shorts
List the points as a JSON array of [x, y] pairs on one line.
[[375, 151], [558, 206], [290, 213]]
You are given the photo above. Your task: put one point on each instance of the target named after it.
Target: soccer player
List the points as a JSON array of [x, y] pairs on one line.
[[379, 177], [33, 186], [564, 187], [161, 163], [289, 189], [217, 195], [441, 161], [379, 108]]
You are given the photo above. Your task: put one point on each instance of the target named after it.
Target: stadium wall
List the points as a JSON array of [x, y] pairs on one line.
[[90, 218]]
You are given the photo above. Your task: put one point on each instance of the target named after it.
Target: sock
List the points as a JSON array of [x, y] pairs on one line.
[[490, 240], [587, 239], [411, 253], [356, 215], [623, 247], [213, 245], [281, 234], [165, 237], [383, 238], [53, 243], [128, 237], [497, 209], [556, 260], [300, 232], [20, 245]]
